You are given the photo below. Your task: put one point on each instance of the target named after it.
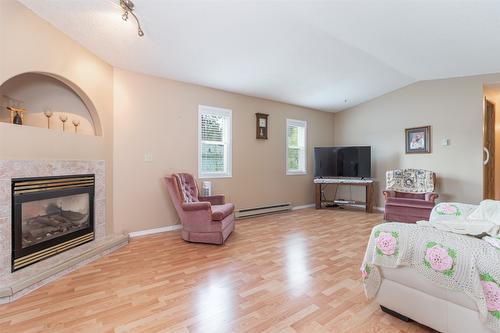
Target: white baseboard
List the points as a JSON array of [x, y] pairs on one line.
[[303, 206], [154, 231]]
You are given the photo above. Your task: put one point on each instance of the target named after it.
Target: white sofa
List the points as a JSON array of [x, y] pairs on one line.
[[404, 291]]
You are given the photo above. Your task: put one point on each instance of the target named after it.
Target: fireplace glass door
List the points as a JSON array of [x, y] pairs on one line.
[[49, 218]]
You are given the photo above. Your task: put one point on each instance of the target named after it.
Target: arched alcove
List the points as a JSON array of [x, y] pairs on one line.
[[38, 92]]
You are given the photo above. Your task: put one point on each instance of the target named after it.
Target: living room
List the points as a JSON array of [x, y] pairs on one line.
[[103, 100]]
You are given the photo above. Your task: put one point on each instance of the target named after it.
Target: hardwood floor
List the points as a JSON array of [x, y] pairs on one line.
[[293, 272]]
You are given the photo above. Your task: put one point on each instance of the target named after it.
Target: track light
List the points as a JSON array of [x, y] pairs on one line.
[[128, 8]]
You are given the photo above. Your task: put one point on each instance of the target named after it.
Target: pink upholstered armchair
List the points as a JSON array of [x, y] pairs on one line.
[[204, 219], [409, 195]]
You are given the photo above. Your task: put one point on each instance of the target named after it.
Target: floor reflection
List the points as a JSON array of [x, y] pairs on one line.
[[297, 269], [214, 305]]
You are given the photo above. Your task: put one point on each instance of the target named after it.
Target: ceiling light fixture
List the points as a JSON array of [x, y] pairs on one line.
[[128, 8]]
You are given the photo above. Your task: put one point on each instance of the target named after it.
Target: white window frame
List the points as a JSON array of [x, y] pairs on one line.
[[228, 161], [296, 123]]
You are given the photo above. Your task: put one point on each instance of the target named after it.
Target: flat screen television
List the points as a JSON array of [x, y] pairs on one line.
[[354, 162]]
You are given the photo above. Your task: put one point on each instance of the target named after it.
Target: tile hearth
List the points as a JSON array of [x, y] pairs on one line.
[[15, 284]]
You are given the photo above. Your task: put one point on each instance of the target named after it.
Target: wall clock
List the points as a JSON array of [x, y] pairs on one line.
[[262, 125]]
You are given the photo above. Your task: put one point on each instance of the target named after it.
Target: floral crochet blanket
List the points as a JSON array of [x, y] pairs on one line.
[[466, 219], [451, 261]]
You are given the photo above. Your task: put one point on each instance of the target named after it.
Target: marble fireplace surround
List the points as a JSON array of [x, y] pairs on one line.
[[14, 285]]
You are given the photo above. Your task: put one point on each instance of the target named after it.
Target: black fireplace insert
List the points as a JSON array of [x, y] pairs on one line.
[[50, 215]]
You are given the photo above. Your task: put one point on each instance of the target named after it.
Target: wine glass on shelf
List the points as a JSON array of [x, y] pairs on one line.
[[63, 117], [48, 113], [76, 122]]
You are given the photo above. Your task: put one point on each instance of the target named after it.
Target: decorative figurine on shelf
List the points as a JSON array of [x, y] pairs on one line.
[[76, 122], [48, 113], [17, 119], [16, 115], [63, 117]]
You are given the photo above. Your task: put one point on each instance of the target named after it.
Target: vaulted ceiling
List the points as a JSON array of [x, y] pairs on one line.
[[327, 55]]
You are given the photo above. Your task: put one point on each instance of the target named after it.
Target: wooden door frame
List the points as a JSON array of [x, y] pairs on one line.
[[489, 145]]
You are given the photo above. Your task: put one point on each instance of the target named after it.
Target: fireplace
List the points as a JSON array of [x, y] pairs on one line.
[[50, 215]]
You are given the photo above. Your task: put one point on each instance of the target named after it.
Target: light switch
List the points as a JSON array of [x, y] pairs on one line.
[[445, 142], [148, 157]]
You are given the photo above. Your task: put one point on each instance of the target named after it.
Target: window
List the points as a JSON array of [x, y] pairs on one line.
[[296, 137], [214, 139]]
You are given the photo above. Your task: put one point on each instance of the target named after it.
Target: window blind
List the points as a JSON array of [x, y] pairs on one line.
[[214, 142], [296, 146]]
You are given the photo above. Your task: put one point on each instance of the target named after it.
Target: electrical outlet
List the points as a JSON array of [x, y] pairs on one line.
[[148, 157]]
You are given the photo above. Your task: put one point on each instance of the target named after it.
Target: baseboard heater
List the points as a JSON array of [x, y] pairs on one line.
[[247, 212]]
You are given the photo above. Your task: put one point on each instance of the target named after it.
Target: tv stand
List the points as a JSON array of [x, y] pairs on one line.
[[367, 183]]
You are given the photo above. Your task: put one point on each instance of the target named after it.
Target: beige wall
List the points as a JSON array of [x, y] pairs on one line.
[[30, 44], [142, 114], [152, 115], [454, 109], [159, 116]]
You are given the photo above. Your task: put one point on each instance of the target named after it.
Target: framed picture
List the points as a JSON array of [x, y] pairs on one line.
[[418, 140]]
